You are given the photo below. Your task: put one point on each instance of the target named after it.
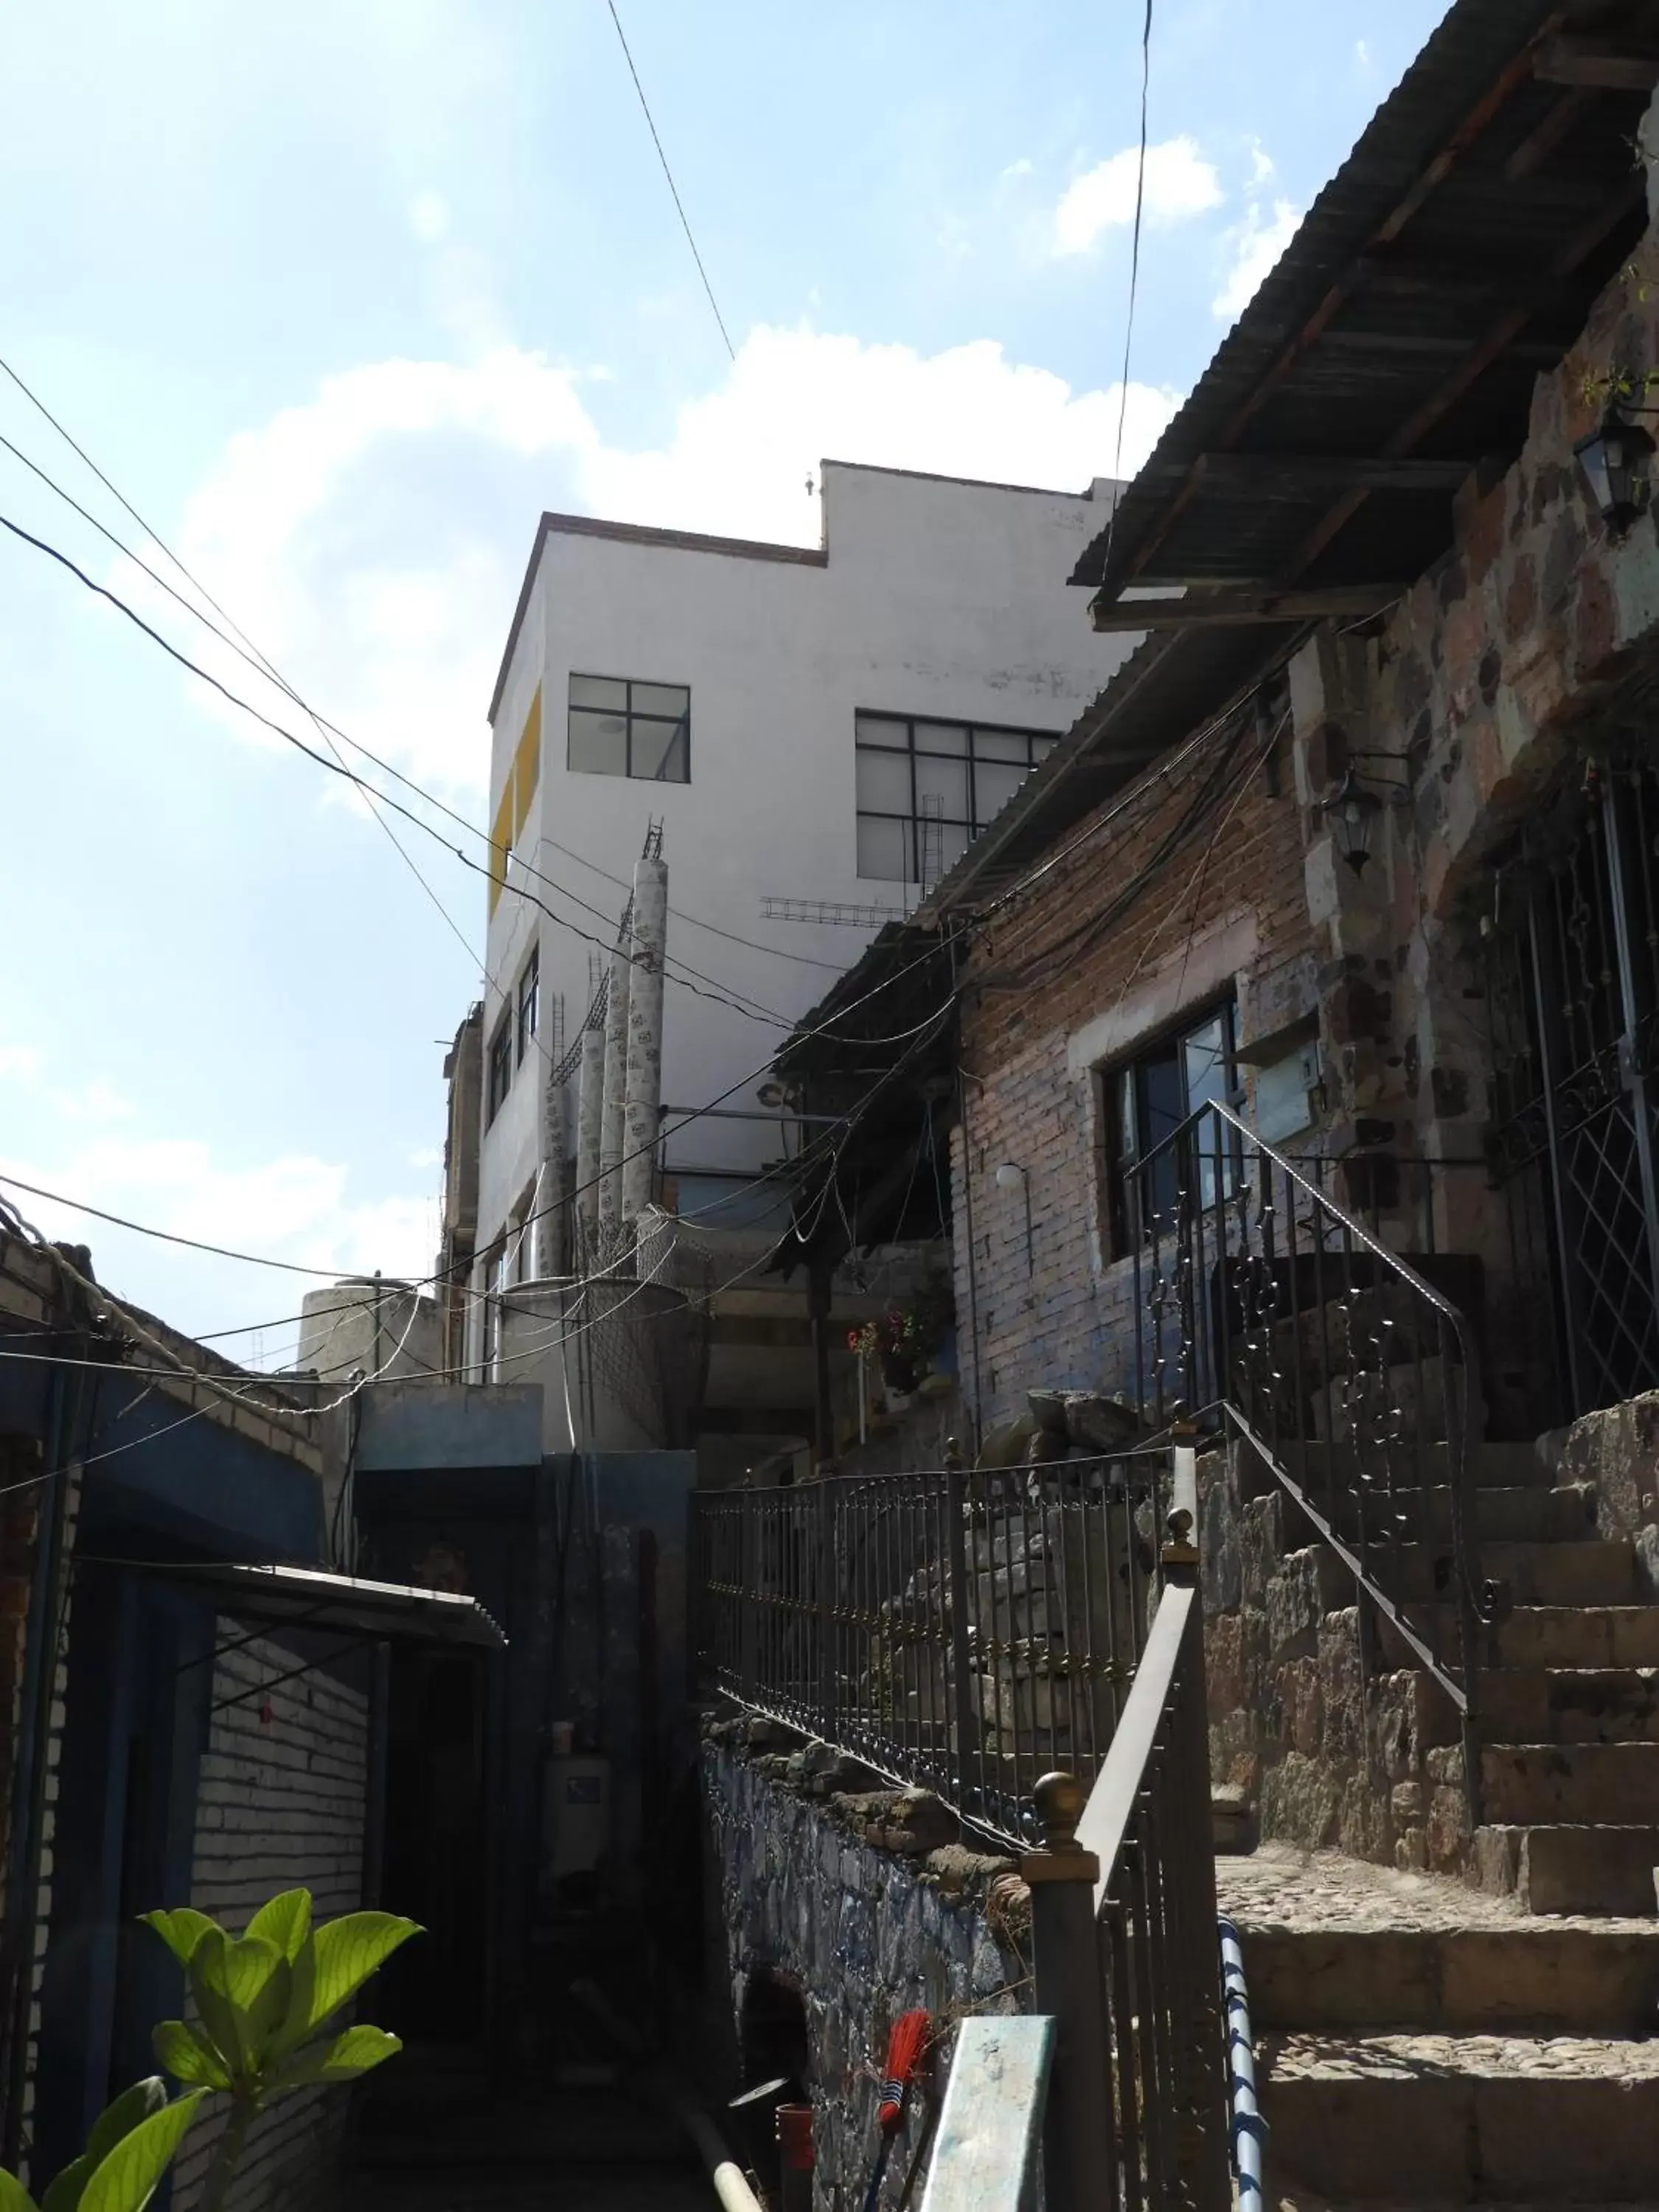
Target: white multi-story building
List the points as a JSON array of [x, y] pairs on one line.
[[820, 733]]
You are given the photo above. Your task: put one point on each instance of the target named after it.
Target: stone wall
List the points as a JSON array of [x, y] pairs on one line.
[[1618, 1450], [864, 1903], [1312, 1714]]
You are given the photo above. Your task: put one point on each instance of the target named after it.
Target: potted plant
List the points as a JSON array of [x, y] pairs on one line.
[[902, 1340]]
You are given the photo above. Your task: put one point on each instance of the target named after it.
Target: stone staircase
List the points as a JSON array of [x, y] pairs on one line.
[[1421, 2043]]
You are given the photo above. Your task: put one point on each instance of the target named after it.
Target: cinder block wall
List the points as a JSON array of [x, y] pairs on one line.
[[280, 1806], [1065, 1317]]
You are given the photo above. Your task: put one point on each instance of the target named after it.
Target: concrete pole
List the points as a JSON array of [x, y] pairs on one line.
[[590, 1112], [612, 1146], [642, 1120], [549, 1204]]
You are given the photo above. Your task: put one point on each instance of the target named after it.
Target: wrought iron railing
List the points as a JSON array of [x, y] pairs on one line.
[[1357, 1381], [965, 1629], [1124, 1939]]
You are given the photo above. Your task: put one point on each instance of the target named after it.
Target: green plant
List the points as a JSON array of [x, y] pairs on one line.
[[130, 2148], [260, 1999], [908, 1334]]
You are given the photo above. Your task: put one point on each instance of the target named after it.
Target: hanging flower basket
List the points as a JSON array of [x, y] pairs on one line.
[[902, 1340]]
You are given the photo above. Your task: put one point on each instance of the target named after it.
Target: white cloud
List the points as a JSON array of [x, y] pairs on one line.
[[1254, 245], [294, 1207], [1262, 170], [19, 1063], [429, 217], [1180, 182], [1362, 53], [1019, 168], [371, 539], [95, 1102]]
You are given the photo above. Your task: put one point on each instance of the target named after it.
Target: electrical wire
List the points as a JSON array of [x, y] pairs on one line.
[[1134, 280], [672, 186]]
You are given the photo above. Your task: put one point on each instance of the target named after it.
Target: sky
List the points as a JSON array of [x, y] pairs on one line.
[[340, 297]]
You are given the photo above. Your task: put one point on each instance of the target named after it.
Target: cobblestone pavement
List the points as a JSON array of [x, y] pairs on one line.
[[1321, 1892]]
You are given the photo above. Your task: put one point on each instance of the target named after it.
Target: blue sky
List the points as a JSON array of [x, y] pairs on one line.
[[341, 296]]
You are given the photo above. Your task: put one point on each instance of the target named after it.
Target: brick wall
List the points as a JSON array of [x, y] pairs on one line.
[[1062, 1315], [280, 1806]]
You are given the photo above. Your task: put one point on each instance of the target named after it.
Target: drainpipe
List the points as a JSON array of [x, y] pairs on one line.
[[550, 1224], [643, 1115], [590, 1110], [612, 1145]]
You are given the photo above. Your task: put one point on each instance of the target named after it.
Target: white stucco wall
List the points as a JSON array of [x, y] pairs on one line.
[[936, 598]]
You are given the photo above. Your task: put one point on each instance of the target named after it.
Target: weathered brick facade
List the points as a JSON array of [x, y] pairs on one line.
[[1479, 687], [1227, 907]]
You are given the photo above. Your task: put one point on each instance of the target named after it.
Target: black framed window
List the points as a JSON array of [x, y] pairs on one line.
[[618, 727], [927, 788], [500, 1078], [1147, 1099], [529, 1001]]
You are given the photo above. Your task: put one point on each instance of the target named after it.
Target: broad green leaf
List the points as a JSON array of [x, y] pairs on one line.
[[65, 2192], [342, 2060], [188, 2057], [122, 2116], [181, 1931], [125, 2180], [219, 2014], [285, 1921], [112, 2125], [348, 1951], [296, 2022], [249, 1964], [14, 2197]]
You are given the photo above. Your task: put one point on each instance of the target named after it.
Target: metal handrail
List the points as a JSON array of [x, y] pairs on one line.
[[1124, 1938], [1221, 1221]]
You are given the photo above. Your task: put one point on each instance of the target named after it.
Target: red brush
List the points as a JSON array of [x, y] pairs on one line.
[[907, 2046]]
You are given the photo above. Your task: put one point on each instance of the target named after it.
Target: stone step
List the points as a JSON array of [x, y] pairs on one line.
[[1570, 1704], [1546, 1783], [1568, 1868], [1595, 1571], [1464, 2118], [1574, 1636], [1496, 1466], [1579, 1979], [1518, 1513]]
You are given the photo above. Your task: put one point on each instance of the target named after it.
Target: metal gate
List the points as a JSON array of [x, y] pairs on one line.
[[1573, 988]]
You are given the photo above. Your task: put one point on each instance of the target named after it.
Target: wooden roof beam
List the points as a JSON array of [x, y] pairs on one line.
[[1297, 475], [1208, 610], [1517, 72], [1604, 64]]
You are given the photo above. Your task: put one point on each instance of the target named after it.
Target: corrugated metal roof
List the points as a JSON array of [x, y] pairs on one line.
[[306, 1597], [1481, 193]]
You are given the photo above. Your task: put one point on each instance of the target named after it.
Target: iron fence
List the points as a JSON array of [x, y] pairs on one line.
[[965, 1629], [1355, 1380]]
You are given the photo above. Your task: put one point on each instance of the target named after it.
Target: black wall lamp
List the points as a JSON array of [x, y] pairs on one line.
[[1354, 809], [1615, 459]]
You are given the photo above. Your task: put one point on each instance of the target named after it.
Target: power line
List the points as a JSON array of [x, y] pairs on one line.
[[1134, 277], [672, 186], [751, 1011], [266, 667]]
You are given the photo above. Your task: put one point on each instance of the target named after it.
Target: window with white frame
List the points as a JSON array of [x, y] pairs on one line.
[[529, 1001], [927, 788], [619, 727]]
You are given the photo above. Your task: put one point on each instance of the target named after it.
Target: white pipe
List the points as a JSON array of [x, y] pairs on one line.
[[642, 1115], [590, 1112], [615, 1094], [1248, 2129]]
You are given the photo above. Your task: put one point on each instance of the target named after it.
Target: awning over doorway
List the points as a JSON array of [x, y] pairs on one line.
[[306, 1597]]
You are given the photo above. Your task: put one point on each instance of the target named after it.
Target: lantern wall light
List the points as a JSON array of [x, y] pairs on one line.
[[1615, 462], [1354, 809]]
